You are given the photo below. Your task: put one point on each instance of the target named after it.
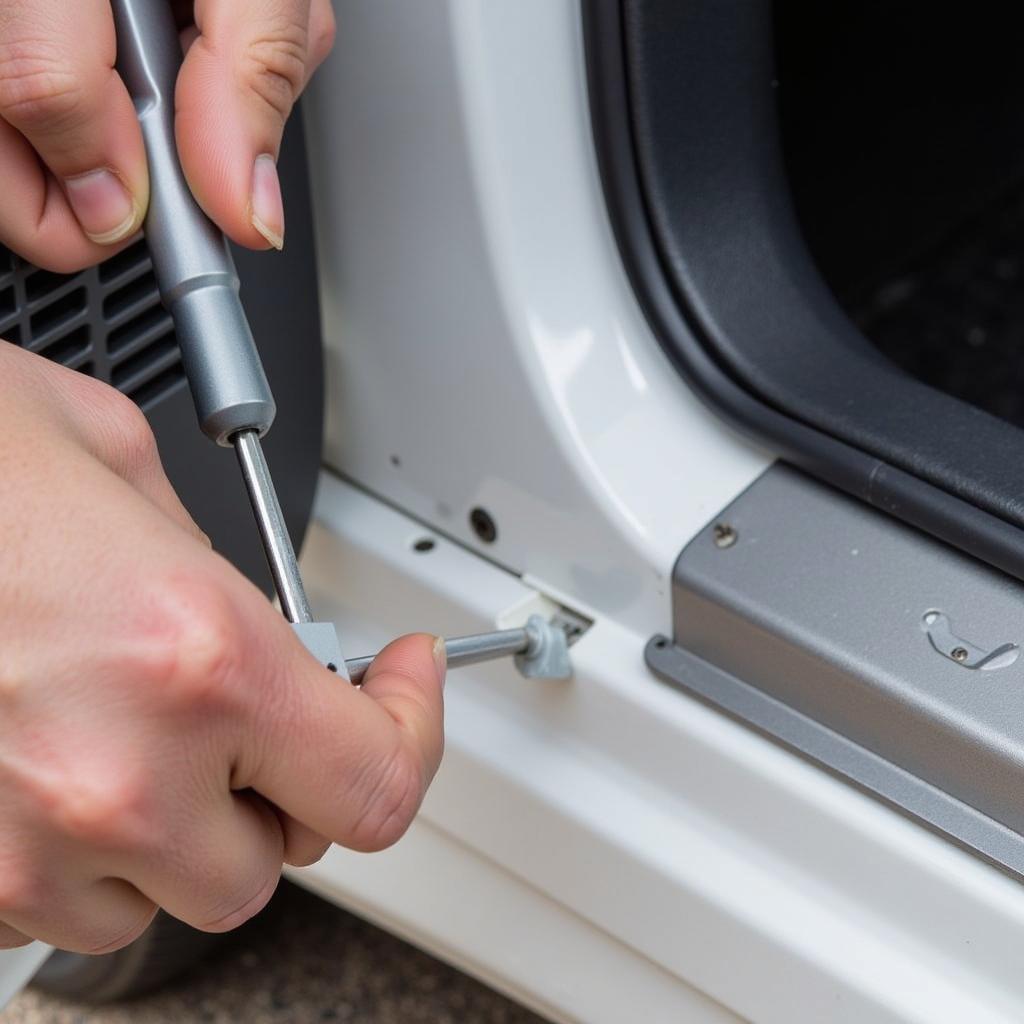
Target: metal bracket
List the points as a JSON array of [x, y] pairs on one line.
[[321, 640], [962, 651]]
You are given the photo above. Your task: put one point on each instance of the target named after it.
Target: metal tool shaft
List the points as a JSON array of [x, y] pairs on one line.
[[464, 650], [277, 542]]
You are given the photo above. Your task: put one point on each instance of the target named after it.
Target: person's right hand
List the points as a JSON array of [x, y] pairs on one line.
[[164, 738]]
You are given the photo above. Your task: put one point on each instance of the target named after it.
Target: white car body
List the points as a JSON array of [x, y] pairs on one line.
[[604, 849]]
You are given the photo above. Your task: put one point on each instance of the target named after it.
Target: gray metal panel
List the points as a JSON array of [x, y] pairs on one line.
[[809, 625]]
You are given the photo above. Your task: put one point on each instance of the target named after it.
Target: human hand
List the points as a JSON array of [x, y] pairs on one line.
[[71, 153], [164, 738]]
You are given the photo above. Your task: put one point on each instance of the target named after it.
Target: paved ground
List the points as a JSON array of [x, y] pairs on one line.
[[304, 962]]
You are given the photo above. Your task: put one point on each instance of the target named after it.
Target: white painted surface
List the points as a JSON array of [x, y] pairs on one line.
[[478, 322], [605, 850], [650, 849], [17, 967]]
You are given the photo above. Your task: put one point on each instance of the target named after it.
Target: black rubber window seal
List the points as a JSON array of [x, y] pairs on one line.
[[681, 334]]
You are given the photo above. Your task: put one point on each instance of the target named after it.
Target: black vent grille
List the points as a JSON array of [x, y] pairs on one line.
[[106, 321]]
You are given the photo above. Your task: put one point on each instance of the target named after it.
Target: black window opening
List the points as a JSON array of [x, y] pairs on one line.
[[702, 180], [902, 129]]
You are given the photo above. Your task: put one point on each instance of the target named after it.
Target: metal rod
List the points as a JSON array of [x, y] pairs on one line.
[[463, 650], [274, 533]]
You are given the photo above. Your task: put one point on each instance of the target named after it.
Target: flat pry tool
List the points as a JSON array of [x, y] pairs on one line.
[[199, 286]]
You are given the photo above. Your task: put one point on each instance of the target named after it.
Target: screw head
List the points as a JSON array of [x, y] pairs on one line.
[[724, 535], [958, 654]]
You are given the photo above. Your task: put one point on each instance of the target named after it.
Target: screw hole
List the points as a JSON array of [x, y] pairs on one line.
[[395, 461], [661, 643], [423, 544], [483, 525], [331, 667]]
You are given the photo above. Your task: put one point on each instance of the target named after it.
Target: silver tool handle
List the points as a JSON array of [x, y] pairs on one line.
[[197, 277]]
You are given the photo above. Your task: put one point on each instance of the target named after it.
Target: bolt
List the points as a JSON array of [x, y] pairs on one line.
[[724, 535], [958, 654]]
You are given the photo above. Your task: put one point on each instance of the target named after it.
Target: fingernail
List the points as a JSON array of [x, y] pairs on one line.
[[267, 206], [440, 659], [106, 210]]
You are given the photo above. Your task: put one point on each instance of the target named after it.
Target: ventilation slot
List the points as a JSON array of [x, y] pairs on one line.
[[132, 258], [68, 348], [140, 292], [41, 282], [142, 328], [126, 374], [161, 385], [106, 321], [58, 313]]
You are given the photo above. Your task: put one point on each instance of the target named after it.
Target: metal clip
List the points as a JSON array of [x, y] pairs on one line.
[[963, 652]]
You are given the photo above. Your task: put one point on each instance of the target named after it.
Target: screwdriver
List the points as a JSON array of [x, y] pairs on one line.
[[199, 286]]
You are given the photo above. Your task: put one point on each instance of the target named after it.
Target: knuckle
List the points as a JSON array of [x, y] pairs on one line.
[[391, 801], [20, 889], [324, 35], [117, 936], [38, 86], [200, 650], [129, 442], [242, 907], [273, 67], [105, 810], [305, 856]]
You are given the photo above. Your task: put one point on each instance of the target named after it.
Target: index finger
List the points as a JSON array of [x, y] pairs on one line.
[[352, 765], [61, 98]]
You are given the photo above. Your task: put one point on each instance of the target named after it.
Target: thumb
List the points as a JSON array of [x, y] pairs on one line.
[[351, 765], [242, 74]]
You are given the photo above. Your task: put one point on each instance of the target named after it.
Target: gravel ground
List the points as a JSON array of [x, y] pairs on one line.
[[302, 962]]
